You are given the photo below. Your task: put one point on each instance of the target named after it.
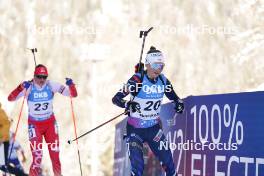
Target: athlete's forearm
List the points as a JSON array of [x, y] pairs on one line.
[[14, 94], [69, 91], [118, 99], [64, 90], [170, 93], [131, 87]]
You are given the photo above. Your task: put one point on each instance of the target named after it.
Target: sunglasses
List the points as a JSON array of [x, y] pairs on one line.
[[41, 76], [157, 66]]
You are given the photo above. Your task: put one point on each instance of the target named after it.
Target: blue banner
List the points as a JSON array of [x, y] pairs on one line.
[[217, 135]]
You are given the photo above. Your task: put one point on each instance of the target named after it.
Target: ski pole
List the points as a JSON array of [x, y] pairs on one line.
[[33, 50], [88, 132], [17, 125], [144, 34], [75, 132]]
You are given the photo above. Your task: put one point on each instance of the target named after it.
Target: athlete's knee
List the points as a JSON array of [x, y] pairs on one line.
[[35, 167], [169, 167], [135, 151], [54, 146], [167, 163], [137, 165], [134, 144], [137, 172], [37, 158]]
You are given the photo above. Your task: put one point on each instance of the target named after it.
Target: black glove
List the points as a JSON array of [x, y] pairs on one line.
[[179, 106], [133, 106]]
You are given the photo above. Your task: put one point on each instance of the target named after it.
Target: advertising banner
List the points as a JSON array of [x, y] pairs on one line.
[[217, 135]]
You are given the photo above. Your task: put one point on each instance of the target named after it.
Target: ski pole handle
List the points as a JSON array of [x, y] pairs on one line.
[[149, 30]]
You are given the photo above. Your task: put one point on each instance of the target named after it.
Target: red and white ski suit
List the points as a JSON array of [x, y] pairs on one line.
[[42, 122]]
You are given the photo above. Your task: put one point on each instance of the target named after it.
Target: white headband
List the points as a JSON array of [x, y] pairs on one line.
[[154, 57]]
